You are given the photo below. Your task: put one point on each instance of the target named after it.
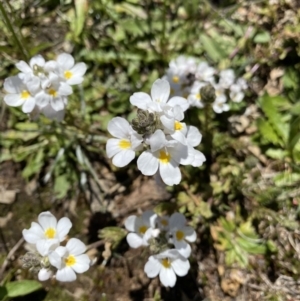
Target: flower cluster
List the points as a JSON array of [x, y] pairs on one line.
[[48, 255], [168, 239], [187, 76], [159, 131], [44, 87]]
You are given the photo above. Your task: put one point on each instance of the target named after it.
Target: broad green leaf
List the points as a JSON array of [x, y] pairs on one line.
[[21, 288], [3, 292], [81, 9], [278, 154], [61, 186]]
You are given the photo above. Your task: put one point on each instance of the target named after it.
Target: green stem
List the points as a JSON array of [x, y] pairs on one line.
[[11, 29]]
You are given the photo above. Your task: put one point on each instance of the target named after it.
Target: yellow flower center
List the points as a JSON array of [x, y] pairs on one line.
[[68, 74], [50, 233], [166, 263], [175, 79], [143, 229], [25, 94], [179, 235], [52, 92], [178, 126], [124, 144], [164, 222], [198, 96], [164, 157], [70, 260]]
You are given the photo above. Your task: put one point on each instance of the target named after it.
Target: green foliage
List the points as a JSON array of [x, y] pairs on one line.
[[18, 288], [237, 240]]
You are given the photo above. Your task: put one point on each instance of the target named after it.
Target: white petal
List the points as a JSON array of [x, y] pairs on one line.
[[183, 248], [65, 60], [123, 158], [13, 85], [170, 173], [28, 105], [63, 227], [181, 266], [57, 104], [44, 274], [149, 218], [82, 264], [55, 259], [193, 136], [52, 114], [119, 127], [75, 80], [140, 100], [190, 234], [79, 69], [179, 101], [199, 158], [177, 220], [152, 267], [147, 163], [167, 277], [23, 67], [179, 136], [130, 222], [66, 275], [64, 89], [75, 246], [34, 234], [37, 60], [13, 100], [47, 220], [134, 240], [42, 99], [160, 91], [168, 123], [157, 140], [45, 246], [112, 147]]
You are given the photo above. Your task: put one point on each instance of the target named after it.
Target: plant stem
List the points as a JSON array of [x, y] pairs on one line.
[[11, 29]]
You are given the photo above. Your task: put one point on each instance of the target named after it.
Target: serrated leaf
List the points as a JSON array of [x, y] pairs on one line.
[[21, 288], [267, 132]]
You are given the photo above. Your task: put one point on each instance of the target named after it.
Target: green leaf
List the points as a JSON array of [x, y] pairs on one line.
[[212, 49], [267, 132], [3, 292], [21, 288], [262, 37], [61, 186]]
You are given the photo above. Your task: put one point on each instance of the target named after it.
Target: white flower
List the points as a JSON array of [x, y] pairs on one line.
[[164, 156], [236, 94], [44, 274], [72, 73], [181, 234], [167, 265], [141, 228], [242, 83], [163, 222], [70, 260], [227, 78], [55, 94], [194, 97], [205, 73], [20, 93], [193, 138], [47, 232], [220, 105], [128, 141], [159, 99]]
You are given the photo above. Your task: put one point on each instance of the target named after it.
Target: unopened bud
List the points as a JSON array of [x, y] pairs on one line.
[[208, 94]]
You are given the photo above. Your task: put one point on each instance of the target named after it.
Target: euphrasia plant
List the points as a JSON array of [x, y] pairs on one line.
[[48, 258], [168, 239], [158, 132]]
